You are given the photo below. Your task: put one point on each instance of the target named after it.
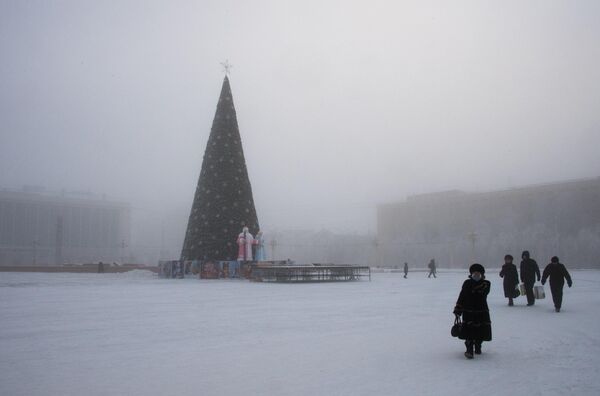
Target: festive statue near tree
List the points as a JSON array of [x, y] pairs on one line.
[[259, 243], [223, 199], [245, 241]]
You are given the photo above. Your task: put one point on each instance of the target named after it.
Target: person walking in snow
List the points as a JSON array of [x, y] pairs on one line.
[[529, 271], [472, 306], [405, 270], [557, 273], [431, 267], [511, 279]]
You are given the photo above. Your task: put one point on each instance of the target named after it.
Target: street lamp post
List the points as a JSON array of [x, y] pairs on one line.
[[34, 244], [273, 245], [123, 245], [473, 238]]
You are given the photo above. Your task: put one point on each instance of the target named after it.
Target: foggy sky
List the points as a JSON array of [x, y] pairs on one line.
[[341, 104]]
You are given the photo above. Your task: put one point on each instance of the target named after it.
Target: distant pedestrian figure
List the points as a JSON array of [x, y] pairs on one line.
[[529, 271], [405, 270], [511, 279], [472, 305], [557, 273], [100, 267], [432, 269]]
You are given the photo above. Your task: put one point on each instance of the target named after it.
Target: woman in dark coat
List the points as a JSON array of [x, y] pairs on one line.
[[472, 305], [511, 279], [557, 273]]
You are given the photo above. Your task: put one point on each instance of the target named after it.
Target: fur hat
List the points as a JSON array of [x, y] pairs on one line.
[[477, 268], [554, 259]]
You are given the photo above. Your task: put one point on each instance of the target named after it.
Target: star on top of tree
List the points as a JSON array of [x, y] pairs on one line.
[[227, 67]]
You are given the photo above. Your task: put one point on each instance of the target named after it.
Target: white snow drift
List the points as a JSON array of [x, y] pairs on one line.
[[134, 334]]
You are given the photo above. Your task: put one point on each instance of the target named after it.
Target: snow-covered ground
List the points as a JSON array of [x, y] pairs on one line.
[[135, 334]]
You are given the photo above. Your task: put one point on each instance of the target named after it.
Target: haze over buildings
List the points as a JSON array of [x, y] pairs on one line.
[[342, 105], [39, 227], [458, 228]]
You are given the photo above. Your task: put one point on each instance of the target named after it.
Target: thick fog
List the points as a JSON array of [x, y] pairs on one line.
[[341, 105]]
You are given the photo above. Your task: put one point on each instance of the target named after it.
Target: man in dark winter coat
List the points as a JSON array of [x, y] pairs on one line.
[[529, 271], [405, 270], [472, 305], [432, 269], [557, 273], [511, 279]]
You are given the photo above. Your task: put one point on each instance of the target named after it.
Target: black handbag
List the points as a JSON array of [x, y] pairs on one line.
[[516, 292], [457, 327]]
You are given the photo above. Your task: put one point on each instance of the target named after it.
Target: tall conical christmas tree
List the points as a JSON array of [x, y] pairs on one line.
[[223, 202]]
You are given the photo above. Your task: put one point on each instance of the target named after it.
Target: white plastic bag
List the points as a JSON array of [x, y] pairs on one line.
[[538, 292]]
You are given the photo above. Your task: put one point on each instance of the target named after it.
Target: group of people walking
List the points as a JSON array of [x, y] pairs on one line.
[[472, 311], [530, 272]]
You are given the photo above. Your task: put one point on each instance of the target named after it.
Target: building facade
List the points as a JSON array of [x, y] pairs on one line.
[[458, 228], [38, 228]]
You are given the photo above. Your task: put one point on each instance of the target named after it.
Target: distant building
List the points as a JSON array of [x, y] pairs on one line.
[[457, 228], [43, 229]]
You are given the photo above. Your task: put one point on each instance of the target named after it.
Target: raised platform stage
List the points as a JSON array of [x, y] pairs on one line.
[[307, 273], [263, 271]]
